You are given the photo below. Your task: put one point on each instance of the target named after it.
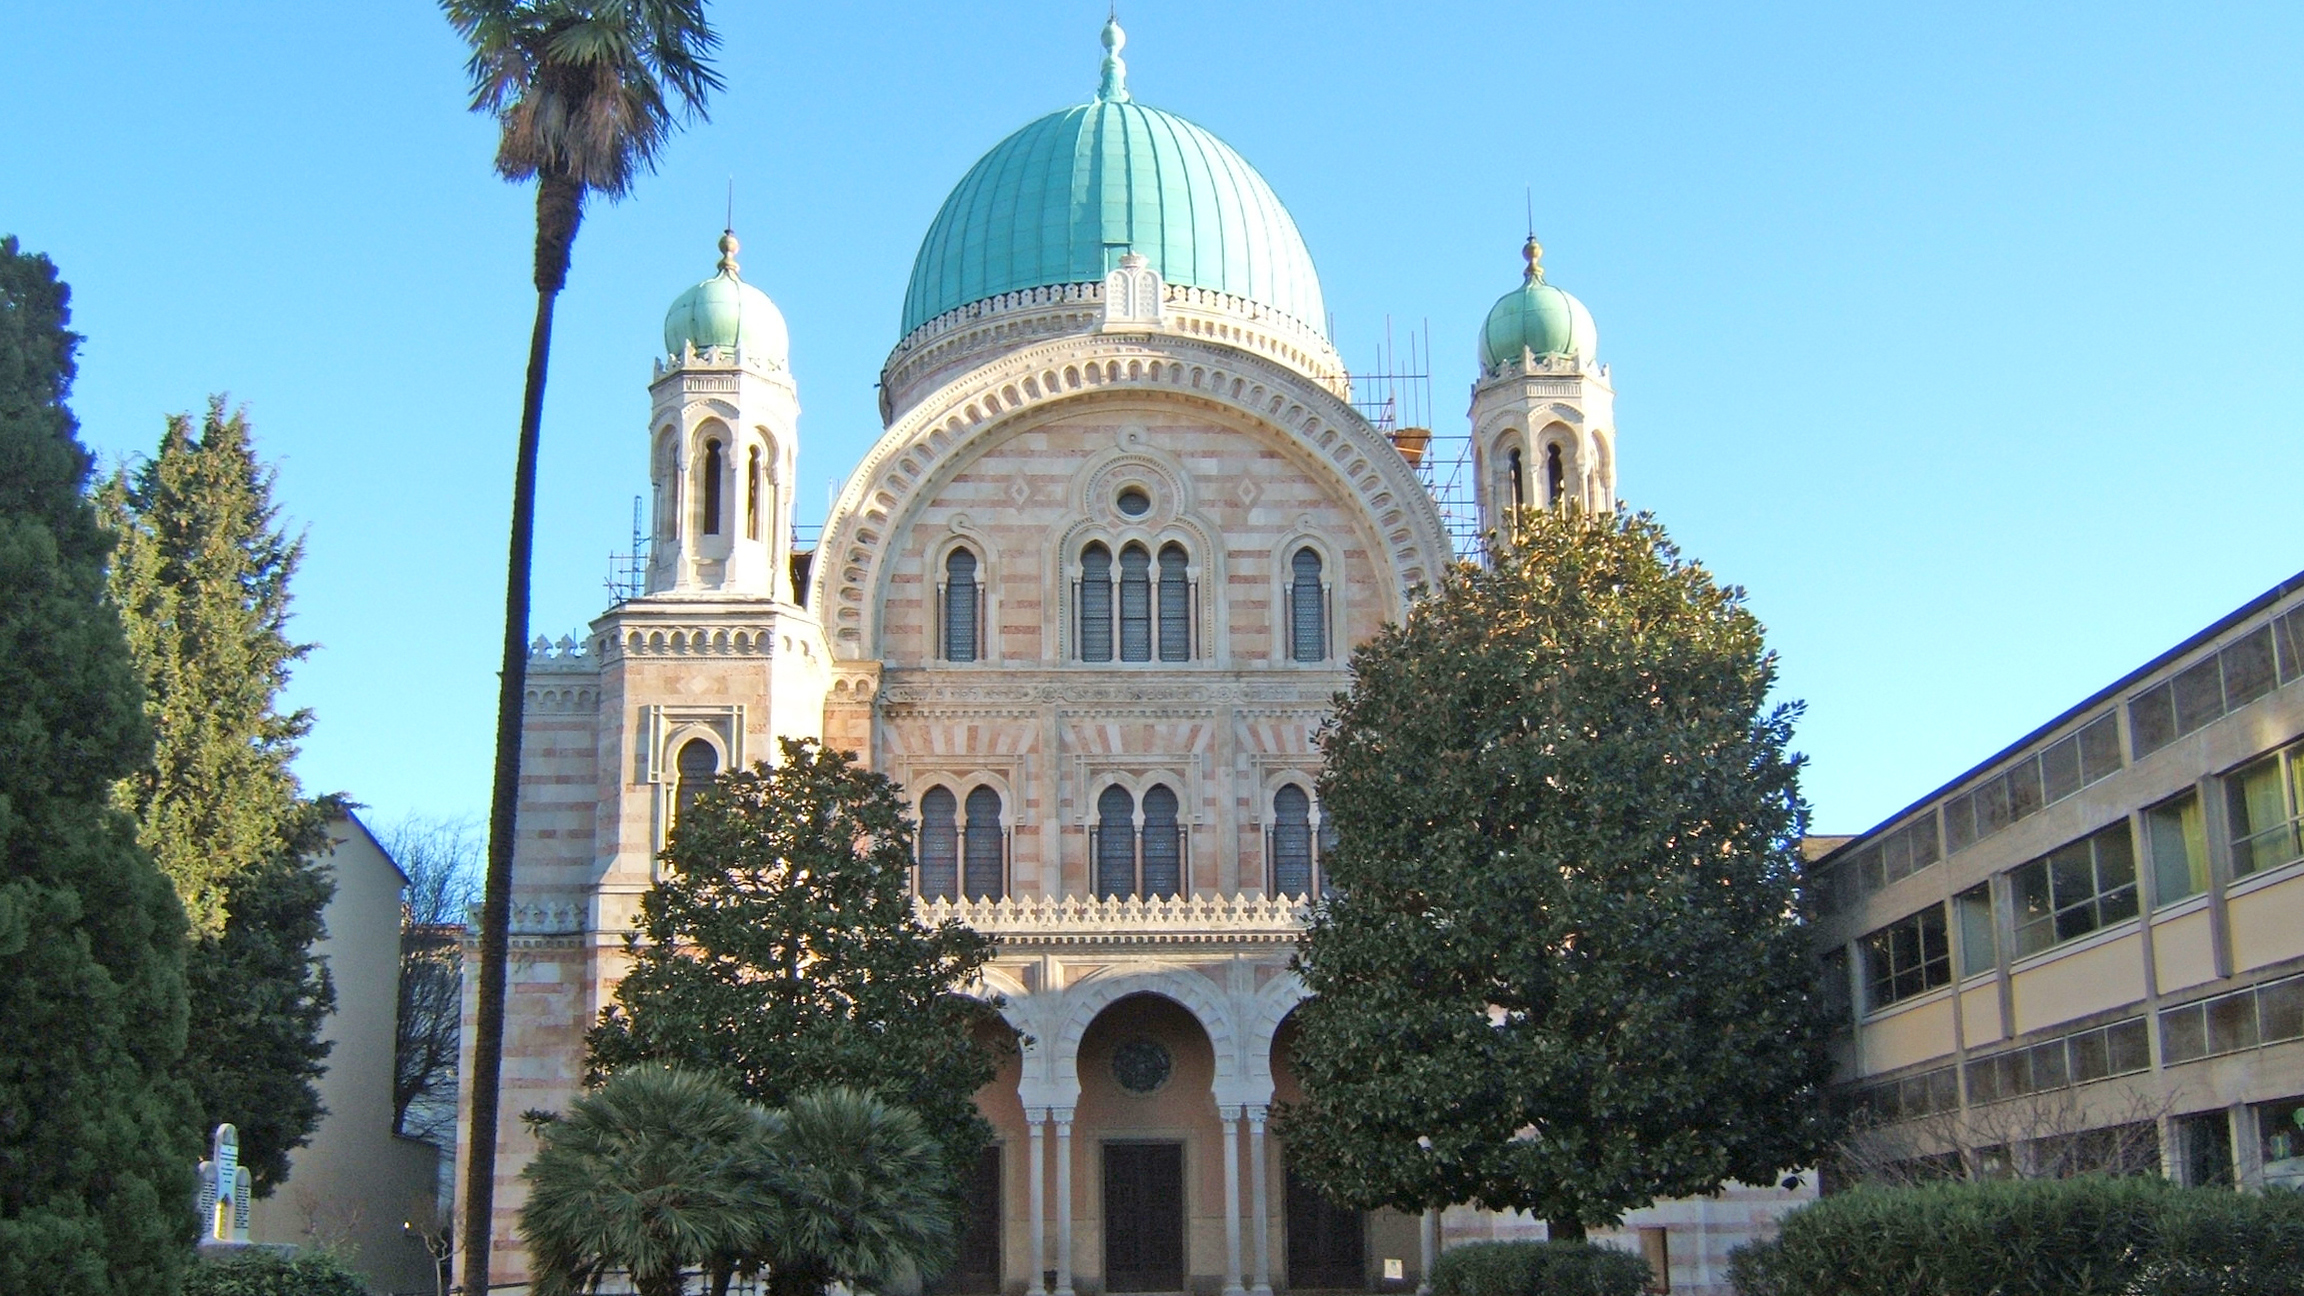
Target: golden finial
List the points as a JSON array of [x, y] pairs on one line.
[[728, 252], [1534, 252]]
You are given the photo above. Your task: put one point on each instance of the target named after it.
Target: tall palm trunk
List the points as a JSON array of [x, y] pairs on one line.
[[559, 208]]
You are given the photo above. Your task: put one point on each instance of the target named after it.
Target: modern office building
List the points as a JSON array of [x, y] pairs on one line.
[[2088, 951]]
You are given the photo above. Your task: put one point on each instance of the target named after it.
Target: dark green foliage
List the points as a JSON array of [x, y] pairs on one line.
[[1563, 971], [96, 1135], [780, 952], [1538, 1269], [201, 579], [2040, 1237], [265, 1272], [662, 1175]]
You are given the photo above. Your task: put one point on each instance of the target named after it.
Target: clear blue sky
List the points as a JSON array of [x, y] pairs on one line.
[[1966, 337]]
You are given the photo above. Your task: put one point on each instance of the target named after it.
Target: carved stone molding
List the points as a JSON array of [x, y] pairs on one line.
[[1131, 920]]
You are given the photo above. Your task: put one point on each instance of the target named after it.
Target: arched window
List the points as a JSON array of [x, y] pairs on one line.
[[1135, 604], [987, 847], [1095, 604], [1115, 842], [1307, 609], [1163, 844], [939, 845], [710, 486], [963, 607], [1515, 479], [1175, 605], [697, 764], [1555, 476], [1291, 842], [752, 498]]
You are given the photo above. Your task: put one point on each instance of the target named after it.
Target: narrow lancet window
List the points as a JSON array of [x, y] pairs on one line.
[[1291, 842], [986, 847], [963, 607], [1163, 844], [697, 764], [1555, 476], [1175, 605], [752, 499], [939, 845], [1096, 604], [1307, 609], [1515, 480], [710, 488], [1135, 604], [1115, 842]]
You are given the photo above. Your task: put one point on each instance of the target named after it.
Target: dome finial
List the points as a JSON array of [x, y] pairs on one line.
[[1115, 86], [1533, 252], [728, 247]]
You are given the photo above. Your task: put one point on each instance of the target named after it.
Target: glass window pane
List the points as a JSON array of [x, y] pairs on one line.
[[1115, 842], [986, 844], [1895, 857], [2280, 1010], [1308, 640], [2024, 792], [2071, 877], [2115, 858], [1935, 946], [2281, 1127], [1922, 833], [1983, 1086], [2257, 810], [1977, 948], [2060, 769], [2100, 748], [2183, 1033], [2127, 1047], [1096, 604], [2199, 696], [2179, 849], [939, 844], [2152, 719], [1959, 823], [960, 606], [1175, 607], [2232, 1023], [2248, 670], [2289, 631], [1992, 811], [2048, 1070], [2090, 1059], [1291, 842]]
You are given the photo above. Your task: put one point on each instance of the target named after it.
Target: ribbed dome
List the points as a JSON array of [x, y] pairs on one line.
[[1059, 201], [1538, 317], [725, 311]]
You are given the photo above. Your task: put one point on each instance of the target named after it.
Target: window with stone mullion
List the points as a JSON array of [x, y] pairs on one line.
[[984, 846], [1135, 604], [1175, 606], [939, 845], [1096, 604], [1163, 844], [1115, 843]]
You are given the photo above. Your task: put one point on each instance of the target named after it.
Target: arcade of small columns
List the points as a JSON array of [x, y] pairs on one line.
[[1240, 1004]]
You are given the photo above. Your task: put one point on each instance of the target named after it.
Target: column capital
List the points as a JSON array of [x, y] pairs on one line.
[[1035, 1115], [1061, 1115], [1258, 1113], [1229, 1111]]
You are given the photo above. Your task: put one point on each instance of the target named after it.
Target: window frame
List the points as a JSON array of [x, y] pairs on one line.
[[2243, 838], [1910, 973], [2052, 876]]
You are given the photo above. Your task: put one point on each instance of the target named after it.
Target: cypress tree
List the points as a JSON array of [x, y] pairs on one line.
[[97, 1139], [201, 580]]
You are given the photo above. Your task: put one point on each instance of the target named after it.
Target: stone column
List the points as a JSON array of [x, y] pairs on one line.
[[1035, 1121], [1229, 1114], [1063, 1118], [1259, 1198], [1427, 1251]]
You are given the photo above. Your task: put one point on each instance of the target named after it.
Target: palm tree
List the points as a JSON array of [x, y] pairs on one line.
[[860, 1194], [587, 92], [655, 1173]]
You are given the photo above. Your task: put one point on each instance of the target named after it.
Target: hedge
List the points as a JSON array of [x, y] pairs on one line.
[[1538, 1269], [2088, 1236], [264, 1271]]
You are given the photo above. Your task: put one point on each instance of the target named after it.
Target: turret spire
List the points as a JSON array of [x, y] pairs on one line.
[[1115, 86]]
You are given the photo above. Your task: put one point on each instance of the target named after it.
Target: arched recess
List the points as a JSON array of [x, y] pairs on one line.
[[920, 453], [1273, 1002], [1195, 993]]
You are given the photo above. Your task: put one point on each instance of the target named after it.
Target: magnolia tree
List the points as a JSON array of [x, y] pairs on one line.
[[1563, 970]]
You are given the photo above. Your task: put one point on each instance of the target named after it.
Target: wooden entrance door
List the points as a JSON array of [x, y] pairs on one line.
[[976, 1265], [1144, 1217], [1327, 1244]]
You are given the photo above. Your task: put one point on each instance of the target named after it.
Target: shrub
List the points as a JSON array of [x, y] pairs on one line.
[[2059, 1237], [1538, 1269], [263, 1271]]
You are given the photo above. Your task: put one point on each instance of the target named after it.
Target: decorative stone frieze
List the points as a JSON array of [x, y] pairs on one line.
[[1131, 920]]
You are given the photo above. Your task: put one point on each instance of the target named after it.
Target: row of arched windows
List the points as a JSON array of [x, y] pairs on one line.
[[1132, 858], [959, 860], [1516, 477], [711, 481], [1141, 608]]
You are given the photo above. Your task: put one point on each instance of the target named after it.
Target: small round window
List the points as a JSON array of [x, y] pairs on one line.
[[1141, 1066], [1134, 502]]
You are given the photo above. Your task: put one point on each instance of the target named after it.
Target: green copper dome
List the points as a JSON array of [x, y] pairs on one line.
[[1059, 201], [1538, 317], [725, 311]]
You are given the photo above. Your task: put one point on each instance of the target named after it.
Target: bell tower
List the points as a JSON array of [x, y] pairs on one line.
[[1543, 412], [723, 445]]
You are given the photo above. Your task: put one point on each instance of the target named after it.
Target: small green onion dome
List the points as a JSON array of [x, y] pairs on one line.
[[725, 311], [1538, 317]]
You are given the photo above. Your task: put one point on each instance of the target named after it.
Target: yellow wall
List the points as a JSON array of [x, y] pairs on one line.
[[1980, 1014], [2088, 981], [2185, 949], [1901, 1038], [2268, 925]]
